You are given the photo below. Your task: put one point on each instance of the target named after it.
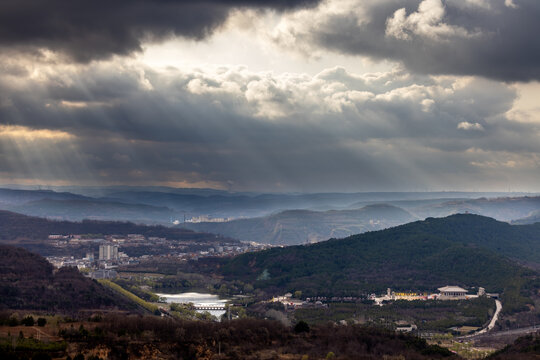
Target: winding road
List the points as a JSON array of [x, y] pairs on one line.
[[491, 325]]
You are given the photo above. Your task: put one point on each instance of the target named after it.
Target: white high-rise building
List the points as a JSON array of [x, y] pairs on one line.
[[108, 252]]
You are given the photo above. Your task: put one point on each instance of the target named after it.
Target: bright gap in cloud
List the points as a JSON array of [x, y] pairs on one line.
[[16, 132], [246, 40], [526, 108]]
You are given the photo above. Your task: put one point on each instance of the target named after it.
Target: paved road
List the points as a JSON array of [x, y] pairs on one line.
[[513, 332], [494, 319], [491, 325]]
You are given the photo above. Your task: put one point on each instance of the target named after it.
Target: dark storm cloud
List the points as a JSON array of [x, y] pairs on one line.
[[249, 130], [495, 39], [86, 30]]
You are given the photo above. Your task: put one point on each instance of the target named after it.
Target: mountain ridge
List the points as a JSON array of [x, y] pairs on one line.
[[293, 227], [421, 255], [14, 226]]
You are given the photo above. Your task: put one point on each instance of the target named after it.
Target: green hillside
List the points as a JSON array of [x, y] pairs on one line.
[[465, 250], [293, 227]]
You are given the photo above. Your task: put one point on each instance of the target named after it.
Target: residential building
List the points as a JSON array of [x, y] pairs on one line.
[[108, 252]]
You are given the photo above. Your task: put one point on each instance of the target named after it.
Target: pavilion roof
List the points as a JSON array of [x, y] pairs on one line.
[[452, 289]]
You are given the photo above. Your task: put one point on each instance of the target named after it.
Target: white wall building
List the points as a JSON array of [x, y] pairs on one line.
[[452, 293], [108, 252]]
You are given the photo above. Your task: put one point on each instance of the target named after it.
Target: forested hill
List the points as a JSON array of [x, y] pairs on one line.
[[15, 226], [27, 281], [521, 242], [465, 250]]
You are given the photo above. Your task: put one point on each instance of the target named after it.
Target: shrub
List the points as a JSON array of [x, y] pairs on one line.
[[301, 327], [13, 321], [41, 356], [28, 321]]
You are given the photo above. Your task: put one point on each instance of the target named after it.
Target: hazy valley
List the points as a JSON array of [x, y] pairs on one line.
[[380, 245]]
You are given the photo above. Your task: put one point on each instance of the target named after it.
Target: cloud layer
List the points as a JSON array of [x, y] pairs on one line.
[[77, 107], [494, 39], [97, 29], [233, 128]]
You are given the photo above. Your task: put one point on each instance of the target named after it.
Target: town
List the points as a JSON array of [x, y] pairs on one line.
[[98, 256], [445, 293]]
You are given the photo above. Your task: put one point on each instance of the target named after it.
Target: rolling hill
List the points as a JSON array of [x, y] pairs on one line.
[[28, 281], [161, 205], [293, 227], [235, 205], [466, 250], [74, 207], [18, 227], [80, 209], [20, 196]]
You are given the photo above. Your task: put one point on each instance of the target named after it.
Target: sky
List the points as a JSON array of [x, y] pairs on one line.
[[272, 96]]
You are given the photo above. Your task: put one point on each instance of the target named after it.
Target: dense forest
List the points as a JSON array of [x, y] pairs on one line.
[[465, 250]]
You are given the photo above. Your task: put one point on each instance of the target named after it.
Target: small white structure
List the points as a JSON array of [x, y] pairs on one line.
[[452, 293], [481, 291], [404, 326]]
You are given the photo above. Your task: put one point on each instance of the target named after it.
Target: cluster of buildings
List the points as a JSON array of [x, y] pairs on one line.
[[288, 301], [445, 293], [205, 218], [108, 258], [108, 252]]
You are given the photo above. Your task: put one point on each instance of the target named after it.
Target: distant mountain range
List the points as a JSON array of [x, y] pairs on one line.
[[162, 205], [292, 227], [303, 226], [17, 197], [168, 204], [79, 209], [465, 250]]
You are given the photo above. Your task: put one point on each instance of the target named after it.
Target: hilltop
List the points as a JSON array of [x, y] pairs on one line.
[[500, 208], [293, 227], [466, 250]]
